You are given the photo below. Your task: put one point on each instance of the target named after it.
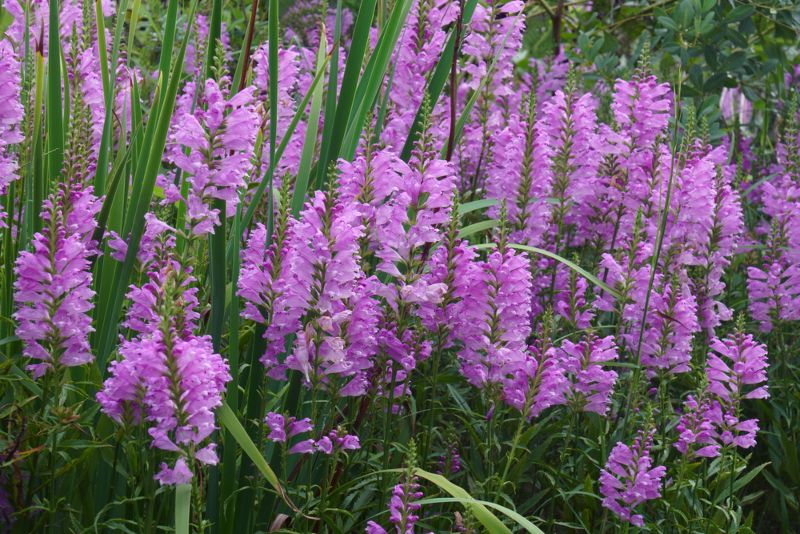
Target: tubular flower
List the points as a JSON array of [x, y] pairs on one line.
[[629, 479], [53, 286], [569, 127], [220, 139]]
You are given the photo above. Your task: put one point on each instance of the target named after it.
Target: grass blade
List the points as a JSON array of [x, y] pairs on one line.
[[477, 508], [572, 265], [372, 80], [228, 420], [183, 499], [524, 523], [310, 141], [53, 110], [347, 94]]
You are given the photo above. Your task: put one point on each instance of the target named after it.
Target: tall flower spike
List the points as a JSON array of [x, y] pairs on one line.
[[220, 137], [167, 372], [629, 479], [737, 368], [522, 176], [11, 114], [262, 266], [53, 286], [326, 301], [495, 319], [538, 385], [569, 126]]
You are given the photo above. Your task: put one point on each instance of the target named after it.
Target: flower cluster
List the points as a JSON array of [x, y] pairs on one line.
[[53, 289], [167, 376], [629, 479]]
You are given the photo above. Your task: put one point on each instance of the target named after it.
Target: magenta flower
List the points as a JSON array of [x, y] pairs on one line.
[[629, 479], [523, 178], [774, 292], [696, 429], [417, 53], [642, 108], [403, 506], [325, 299], [282, 428], [538, 385], [53, 287], [735, 106]]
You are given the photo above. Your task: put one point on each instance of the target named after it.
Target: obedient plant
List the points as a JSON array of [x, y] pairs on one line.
[[378, 270]]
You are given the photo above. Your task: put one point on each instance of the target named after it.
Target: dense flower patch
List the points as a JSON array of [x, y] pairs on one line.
[[318, 291]]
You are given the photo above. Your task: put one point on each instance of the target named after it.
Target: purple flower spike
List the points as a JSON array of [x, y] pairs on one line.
[[629, 479], [53, 287]]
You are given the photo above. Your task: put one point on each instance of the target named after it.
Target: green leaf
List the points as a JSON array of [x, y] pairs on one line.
[[724, 492], [740, 12], [228, 420], [310, 141], [476, 205], [524, 523], [477, 227], [489, 521], [572, 265], [183, 499]]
